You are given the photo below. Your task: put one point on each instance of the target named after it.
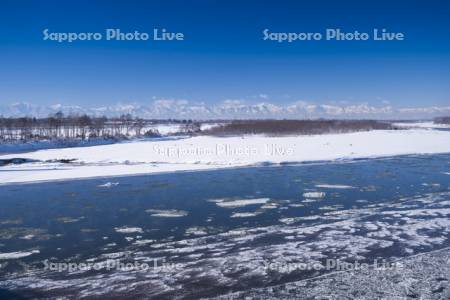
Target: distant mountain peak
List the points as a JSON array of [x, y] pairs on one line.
[[228, 109]]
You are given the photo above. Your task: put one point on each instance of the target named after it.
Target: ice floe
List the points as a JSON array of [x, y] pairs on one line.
[[127, 229], [314, 194], [196, 231], [16, 255], [108, 184], [244, 214], [168, 213], [227, 203], [334, 186]]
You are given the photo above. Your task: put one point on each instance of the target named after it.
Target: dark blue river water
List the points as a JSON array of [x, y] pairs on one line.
[[221, 227]]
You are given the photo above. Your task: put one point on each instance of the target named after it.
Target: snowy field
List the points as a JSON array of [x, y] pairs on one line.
[[206, 152]]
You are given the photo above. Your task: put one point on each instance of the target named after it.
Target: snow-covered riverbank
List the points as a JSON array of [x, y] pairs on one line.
[[206, 152]]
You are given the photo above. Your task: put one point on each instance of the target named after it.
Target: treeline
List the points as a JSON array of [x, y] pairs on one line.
[[59, 126], [442, 120], [295, 127]]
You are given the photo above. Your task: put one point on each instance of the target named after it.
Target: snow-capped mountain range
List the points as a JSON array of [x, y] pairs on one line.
[[230, 109]]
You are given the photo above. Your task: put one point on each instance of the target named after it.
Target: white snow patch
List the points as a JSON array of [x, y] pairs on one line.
[[200, 153]]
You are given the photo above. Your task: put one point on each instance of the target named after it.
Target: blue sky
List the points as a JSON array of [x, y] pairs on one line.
[[223, 55]]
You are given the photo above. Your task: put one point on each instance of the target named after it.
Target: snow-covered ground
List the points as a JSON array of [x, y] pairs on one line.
[[206, 152]]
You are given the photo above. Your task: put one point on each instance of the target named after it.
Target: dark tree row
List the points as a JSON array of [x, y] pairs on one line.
[[294, 127], [59, 126], [442, 120]]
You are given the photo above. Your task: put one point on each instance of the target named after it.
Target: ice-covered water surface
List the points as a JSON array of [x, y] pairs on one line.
[[423, 276], [206, 234]]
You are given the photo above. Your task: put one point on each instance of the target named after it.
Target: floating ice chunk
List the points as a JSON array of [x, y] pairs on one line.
[[126, 229], [16, 255], [331, 207], [371, 226], [169, 213], [143, 242], [269, 206], [108, 184], [241, 202], [309, 200], [198, 231], [409, 250], [11, 221], [314, 194], [334, 186], [244, 214], [288, 221], [195, 256], [68, 219], [296, 205], [431, 184], [114, 255], [369, 188], [28, 237]]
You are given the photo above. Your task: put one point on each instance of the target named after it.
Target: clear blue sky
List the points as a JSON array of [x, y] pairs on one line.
[[223, 55]]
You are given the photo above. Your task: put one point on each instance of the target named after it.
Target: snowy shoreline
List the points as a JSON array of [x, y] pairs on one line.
[[207, 153]]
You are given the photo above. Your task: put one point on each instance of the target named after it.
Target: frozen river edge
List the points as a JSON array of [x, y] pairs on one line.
[[207, 152]]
